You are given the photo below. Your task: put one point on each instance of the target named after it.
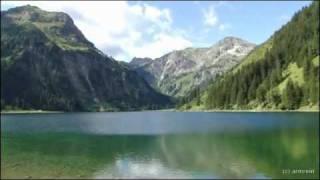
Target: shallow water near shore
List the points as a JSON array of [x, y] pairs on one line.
[[160, 145]]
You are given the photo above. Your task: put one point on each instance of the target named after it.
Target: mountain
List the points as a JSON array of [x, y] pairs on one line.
[[139, 62], [179, 72], [282, 73], [47, 63]]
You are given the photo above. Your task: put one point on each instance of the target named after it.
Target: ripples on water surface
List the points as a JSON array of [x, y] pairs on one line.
[[160, 145]]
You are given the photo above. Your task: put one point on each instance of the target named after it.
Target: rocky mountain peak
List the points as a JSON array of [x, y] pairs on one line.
[[178, 72], [29, 13], [24, 8], [231, 41], [231, 46], [57, 26], [231, 38]]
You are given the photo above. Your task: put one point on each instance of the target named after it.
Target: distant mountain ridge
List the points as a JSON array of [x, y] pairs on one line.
[[179, 72], [47, 63], [139, 62]]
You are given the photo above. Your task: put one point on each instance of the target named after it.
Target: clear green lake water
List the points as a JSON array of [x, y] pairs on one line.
[[160, 145]]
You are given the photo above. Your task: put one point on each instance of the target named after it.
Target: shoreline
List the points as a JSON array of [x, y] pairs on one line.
[[257, 109], [162, 110], [30, 112], [246, 110]]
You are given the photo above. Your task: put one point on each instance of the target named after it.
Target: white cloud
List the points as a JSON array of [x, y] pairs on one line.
[[210, 17], [223, 27], [162, 42], [120, 29]]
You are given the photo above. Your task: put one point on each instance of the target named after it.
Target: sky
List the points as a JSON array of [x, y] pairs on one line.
[[127, 29]]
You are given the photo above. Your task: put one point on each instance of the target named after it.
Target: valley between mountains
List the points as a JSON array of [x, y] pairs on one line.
[[48, 64]]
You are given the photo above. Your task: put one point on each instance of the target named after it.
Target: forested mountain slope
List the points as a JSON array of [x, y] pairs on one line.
[[282, 73]]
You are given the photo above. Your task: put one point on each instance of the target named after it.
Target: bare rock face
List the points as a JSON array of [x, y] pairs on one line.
[[179, 72], [47, 63]]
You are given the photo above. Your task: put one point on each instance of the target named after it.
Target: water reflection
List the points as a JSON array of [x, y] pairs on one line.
[[152, 168], [268, 151], [239, 155], [244, 155]]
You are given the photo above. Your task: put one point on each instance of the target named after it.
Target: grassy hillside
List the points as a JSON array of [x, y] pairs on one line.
[[282, 73]]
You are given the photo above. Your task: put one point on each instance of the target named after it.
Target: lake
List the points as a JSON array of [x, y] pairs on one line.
[[155, 144]]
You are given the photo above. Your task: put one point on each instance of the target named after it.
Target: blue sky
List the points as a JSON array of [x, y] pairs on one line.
[[151, 29], [254, 21]]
